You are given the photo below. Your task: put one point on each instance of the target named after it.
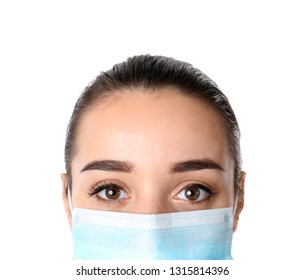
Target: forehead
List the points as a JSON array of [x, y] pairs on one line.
[[163, 125]]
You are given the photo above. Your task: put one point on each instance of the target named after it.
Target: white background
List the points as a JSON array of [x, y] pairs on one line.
[[49, 52]]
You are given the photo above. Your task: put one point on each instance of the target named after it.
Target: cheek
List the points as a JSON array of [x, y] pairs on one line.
[[79, 198], [230, 197], [224, 196], [224, 199], [229, 181], [79, 191]]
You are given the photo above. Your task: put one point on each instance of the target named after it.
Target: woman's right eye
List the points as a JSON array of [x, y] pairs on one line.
[[109, 191]]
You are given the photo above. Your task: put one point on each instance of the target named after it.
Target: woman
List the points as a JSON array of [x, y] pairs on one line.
[[153, 165]]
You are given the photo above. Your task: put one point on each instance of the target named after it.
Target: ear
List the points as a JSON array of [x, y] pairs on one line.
[[239, 203], [65, 198]]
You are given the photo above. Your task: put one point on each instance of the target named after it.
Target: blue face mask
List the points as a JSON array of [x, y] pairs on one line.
[[196, 235]]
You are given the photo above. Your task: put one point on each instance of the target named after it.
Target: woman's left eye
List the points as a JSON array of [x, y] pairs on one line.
[[194, 192]]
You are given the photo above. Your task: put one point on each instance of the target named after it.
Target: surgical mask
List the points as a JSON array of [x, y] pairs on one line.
[[105, 235]]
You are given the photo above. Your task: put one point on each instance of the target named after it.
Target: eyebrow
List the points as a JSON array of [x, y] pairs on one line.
[[179, 167], [108, 165], [193, 165]]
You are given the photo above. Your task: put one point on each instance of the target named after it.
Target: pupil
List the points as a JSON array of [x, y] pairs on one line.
[[112, 193], [192, 193]]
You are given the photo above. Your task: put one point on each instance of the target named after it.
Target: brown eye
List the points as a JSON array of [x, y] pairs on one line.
[[112, 192], [194, 192], [109, 191]]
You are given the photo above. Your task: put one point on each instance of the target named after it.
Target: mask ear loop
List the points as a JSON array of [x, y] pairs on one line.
[[239, 192], [70, 198], [235, 205]]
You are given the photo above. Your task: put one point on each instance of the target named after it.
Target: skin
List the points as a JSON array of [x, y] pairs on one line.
[[151, 134]]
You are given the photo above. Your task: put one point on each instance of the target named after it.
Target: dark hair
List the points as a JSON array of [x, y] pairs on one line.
[[154, 72]]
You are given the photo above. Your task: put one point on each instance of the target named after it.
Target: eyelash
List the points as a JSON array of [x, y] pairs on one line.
[[201, 187], [103, 186]]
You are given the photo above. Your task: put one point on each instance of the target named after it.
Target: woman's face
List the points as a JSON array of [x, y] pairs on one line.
[[152, 153]]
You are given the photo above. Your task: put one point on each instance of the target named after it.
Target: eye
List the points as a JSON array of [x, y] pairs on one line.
[[194, 192], [109, 191]]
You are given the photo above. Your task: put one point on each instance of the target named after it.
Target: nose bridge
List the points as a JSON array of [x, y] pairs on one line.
[[149, 206], [150, 199]]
